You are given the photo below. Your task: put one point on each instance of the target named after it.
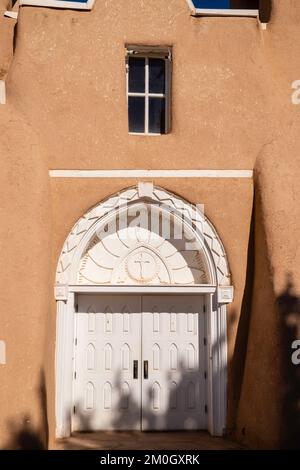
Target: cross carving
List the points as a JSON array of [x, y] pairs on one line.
[[142, 262]]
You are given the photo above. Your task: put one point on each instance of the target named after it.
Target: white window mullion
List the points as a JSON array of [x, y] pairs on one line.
[[156, 95], [167, 95], [147, 96], [127, 81], [132, 93]]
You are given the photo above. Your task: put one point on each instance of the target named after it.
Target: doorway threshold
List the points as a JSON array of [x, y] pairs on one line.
[[137, 440]]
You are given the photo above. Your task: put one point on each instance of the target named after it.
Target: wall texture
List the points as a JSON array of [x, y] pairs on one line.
[[275, 313], [231, 109], [25, 234]]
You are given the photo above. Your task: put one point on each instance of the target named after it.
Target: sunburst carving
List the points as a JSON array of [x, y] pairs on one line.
[[135, 255], [102, 261]]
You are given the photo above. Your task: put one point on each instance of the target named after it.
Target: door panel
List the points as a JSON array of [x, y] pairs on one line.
[[173, 390], [139, 363], [108, 332]]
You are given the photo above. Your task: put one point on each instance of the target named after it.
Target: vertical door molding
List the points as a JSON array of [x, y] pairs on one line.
[[217, 366], [64, 365]]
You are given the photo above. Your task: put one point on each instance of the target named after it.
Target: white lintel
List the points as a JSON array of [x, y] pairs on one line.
[[151, 173], [225, 12], [147, 289], [2, 92], [11, 14]]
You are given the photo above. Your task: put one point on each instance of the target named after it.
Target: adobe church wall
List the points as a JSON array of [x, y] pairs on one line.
[[25, 281], [269, 413], [259, 408], [6, 39], [231, 96], [222, 112]]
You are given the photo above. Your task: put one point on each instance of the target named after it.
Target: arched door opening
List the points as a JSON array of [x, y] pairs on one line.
[[141, 287]]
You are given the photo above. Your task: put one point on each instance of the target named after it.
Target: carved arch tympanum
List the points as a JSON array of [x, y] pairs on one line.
[[143, 235]]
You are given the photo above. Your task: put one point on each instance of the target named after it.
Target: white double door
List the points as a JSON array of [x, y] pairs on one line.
[[140, 363]]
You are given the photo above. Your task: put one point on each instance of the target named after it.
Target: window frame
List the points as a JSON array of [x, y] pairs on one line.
[[221, 11], [66, 5], [151, 53]]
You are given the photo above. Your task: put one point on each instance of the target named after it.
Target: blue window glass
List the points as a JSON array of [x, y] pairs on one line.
[[147, 95], [136, 81], [156, 76], [136, 114], [157, 115], [227, 4], [212, 3]]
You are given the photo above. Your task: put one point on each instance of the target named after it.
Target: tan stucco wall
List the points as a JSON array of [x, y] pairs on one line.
[[6, 40], [269, 371], [258, 425], [77, 94], [231, 108], [25, 234]]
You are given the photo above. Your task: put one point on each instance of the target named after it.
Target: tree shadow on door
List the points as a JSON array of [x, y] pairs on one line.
[[183, 397]]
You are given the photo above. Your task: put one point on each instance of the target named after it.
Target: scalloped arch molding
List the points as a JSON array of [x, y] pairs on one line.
[[139, 256]]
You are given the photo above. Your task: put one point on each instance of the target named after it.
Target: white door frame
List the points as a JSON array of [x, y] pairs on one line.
[[219, 293], [216, 346]]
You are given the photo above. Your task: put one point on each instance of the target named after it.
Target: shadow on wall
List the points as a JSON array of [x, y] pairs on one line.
[[265, 10], [289, 310], [22, 434], [238, 362], [265, 7]]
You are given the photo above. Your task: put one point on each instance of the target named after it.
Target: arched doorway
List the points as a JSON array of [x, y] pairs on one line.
[[142, 285]]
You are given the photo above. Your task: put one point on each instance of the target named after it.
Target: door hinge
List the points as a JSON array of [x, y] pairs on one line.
[[204, 308], [75, 375], [76, 308], [74, 409], [75, 341], [205, 375], [206, 409], [204, 341]]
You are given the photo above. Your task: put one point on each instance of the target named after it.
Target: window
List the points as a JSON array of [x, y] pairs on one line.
[[229, 7], [66, 4], [148, 91]]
